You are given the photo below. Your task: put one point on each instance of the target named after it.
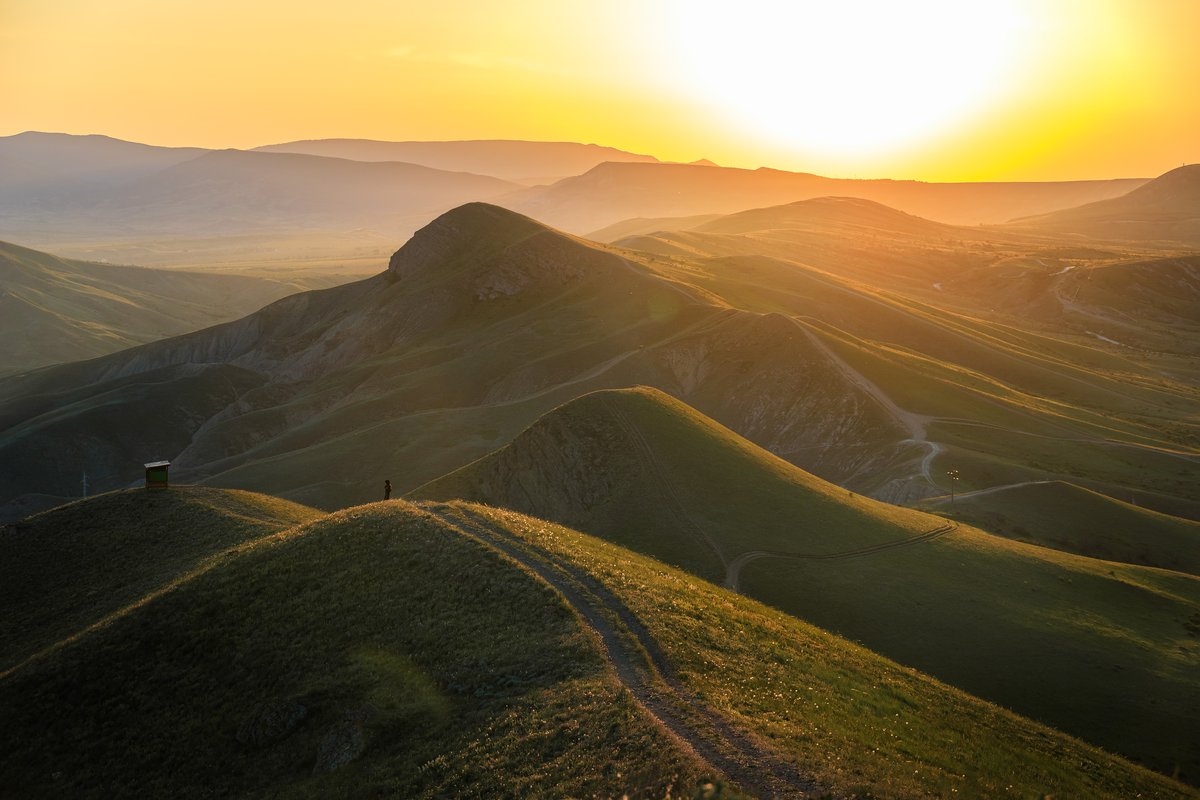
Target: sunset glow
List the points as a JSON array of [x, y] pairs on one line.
[[936, 89], [850, 78]]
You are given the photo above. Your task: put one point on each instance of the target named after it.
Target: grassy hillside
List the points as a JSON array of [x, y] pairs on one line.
[[856, 722], [350, 638], [1108, 652], [1167, 209], [67, 569], [54, 310], [344, 658], [1071, 518]]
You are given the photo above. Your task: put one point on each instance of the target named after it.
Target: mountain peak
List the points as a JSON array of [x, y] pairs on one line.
[[474, 229], [494, 252]]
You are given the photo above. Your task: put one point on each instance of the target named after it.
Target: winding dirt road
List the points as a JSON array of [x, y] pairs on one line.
[[915, 424], [641, 666]]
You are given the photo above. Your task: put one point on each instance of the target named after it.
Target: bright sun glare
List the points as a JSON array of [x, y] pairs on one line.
[[850, 77]]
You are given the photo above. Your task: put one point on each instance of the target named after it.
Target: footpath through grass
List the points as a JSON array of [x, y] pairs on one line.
[[443, 668], [855, 721]]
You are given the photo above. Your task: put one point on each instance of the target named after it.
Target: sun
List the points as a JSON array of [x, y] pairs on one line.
[[852, 77]]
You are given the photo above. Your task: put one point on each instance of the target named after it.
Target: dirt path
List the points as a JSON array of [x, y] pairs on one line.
[[937, 501], [734, 570], [642, 667], [915, 424]]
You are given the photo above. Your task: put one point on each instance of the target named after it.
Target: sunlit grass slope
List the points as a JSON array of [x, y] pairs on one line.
[[68, 568], [379, 651], [860, 724], [378, 629], [643, 469], [1071, 518], [1108, 652]]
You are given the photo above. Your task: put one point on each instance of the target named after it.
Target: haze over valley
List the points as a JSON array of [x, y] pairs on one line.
[[453, 408]]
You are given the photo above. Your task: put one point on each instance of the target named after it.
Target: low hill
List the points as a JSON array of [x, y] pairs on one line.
[[613, 192], [970, 608], [642, 225], [846, 237], [1166, 209], [1070, 518], [54, 310], [343, 658], [67, 569], [512, 160], [821, 214]]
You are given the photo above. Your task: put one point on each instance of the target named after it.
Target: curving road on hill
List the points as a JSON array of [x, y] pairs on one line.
[[914, 423], [641, 666]]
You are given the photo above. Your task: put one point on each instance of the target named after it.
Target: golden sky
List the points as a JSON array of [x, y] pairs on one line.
[[929, 89]]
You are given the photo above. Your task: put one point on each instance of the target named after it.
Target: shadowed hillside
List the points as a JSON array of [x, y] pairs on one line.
[[343, 658], [54, 310], [975, 610], [68, 569]]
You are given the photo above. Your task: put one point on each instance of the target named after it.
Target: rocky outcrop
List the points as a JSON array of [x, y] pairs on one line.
[[271, 721]]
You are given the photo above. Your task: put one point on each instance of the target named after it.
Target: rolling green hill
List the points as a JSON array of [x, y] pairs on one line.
[[54, 310], [1068, 517], [1108, 652], [343, 657], [70, 568]]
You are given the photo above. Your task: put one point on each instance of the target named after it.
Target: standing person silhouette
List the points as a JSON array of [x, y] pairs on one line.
[[387, 490]]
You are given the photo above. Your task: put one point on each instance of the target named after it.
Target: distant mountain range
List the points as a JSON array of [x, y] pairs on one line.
[[613, 192], [523, 162], [92, 196]]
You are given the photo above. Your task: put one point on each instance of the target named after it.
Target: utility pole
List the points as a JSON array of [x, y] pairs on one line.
[[953, 475], [85, 485]]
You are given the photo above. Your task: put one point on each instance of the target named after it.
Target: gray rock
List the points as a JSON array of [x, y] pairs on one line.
[[271, 721], [340, 745]]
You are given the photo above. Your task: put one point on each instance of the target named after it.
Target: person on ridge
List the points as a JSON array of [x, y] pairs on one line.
[[387, 490]]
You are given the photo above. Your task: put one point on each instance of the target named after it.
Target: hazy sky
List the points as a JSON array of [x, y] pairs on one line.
[[932, 89]]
